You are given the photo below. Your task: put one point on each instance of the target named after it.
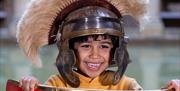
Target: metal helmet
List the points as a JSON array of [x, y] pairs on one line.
[[49, 21]]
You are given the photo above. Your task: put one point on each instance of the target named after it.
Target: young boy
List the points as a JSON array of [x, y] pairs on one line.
[[90, 37]]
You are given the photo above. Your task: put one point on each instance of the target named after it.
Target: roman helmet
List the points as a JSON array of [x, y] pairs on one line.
[[47, 22]]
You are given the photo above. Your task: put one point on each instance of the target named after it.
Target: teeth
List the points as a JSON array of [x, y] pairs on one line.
[[93, 65]]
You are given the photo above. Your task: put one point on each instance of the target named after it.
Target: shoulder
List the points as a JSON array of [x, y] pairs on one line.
[[55, 80], [130, 83], [126, 83]]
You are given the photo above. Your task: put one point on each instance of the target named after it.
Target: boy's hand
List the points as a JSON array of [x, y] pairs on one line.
[[28, 83], [173, 85]]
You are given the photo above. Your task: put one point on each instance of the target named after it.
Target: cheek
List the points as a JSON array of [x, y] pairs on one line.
[[81, 55], [81, 58], [106, 55]]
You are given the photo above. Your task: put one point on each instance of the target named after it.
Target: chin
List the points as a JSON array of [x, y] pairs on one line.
[[93, 75]]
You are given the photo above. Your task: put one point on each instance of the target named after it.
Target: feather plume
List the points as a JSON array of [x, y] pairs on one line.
[[35, 25]]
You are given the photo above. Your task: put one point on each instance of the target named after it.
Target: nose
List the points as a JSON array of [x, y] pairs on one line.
[[95, 52]]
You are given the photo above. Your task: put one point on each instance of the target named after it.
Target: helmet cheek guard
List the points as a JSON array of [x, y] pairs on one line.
[[121, 58], [64, 62]]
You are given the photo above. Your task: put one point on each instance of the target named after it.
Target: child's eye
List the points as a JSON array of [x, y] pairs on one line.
[[105, 46], [85, 46]]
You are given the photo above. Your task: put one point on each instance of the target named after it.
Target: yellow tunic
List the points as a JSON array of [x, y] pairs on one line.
[[126, 83]]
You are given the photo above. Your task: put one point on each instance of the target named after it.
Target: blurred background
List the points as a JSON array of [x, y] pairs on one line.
[[154, 48]]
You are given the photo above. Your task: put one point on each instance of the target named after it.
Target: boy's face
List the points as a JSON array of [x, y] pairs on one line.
[[93, 55]]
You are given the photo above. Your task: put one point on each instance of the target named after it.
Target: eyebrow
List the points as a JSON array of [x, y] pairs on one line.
[[108, 42]]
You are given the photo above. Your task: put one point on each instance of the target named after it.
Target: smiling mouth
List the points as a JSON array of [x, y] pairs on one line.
[[93, 66]]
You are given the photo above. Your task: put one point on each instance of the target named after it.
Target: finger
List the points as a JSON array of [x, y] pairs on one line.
[[174, 84], [170, 87], [23, 82], [20, 82], [33, 83], [167, 86], [26, 83]]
